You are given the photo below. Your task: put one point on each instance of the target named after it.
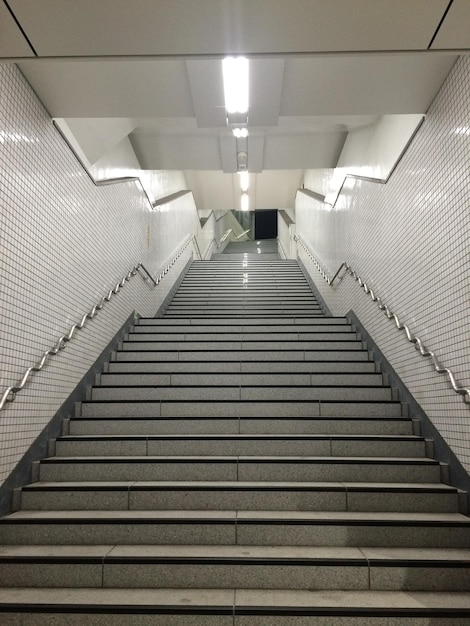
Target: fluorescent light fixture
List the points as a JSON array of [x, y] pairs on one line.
[[245, 202], [235, 72], [244, 180], [240, 132]]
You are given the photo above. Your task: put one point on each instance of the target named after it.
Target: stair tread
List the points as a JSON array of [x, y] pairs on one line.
[[237, 485], [178, 515], [253, 598], [247, 553], [242, 458], [242, 437]]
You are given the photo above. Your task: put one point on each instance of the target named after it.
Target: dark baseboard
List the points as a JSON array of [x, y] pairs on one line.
[[22, 473], [458, 476], [314, 289], [163, 307]]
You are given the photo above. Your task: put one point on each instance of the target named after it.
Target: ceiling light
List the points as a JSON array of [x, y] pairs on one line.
[[240, 132], [244, 180], [245, 202], [235, 73]]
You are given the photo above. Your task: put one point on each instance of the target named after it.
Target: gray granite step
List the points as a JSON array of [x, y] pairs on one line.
[[230, 607], [238, 495], [153, 426], [244, 468], [240, 444], [229, 567]]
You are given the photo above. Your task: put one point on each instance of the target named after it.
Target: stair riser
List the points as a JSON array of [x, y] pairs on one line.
[[251, 379], [330, 369], [117, 616], [146, 617], [220, 500], [244, 448], [273, 337], [240, 409], [223, 576], [161, 329], [255, 471], [269, 322], [228, 346], [276, 356], [361, 394], [110, 426]]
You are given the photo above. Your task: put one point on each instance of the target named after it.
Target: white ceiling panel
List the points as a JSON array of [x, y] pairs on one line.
[[213, 191], [12, 41], [228, 153], [175, 27], [454, 32], [207, 91], [362, 85], [111, 88], [177, 152], [256, 152], [296, 151], [272, 191], [266, 80]]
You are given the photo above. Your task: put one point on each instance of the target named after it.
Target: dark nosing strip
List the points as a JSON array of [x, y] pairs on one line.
[[244, 561], [124, 459], [420, 563], [391, 612], [341, 461], [111, 609], [237, 437], [51, 560], [355, 523], [176, 487], [177, 521]]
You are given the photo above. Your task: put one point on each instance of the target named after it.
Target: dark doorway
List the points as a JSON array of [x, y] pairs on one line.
[[266, 224]]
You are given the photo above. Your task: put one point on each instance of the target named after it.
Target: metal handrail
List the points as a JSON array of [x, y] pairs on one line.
[[195, 241], [463, 391], [9, 394]]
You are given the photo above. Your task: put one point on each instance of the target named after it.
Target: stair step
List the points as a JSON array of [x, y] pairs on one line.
[[229, 567], [240, 444], [328, 368], [246, 336], [249, 323], [220, 607], [153, 426], [246, 528], [134, 353], [242, 393], [216, 495], [272, 329], [230, 346], [229, 468], [234, 408], [245, 379]]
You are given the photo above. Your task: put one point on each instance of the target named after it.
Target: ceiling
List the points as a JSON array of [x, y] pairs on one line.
[[150, 71]]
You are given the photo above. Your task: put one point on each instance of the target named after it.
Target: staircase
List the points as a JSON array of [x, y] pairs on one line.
[[241, 461]]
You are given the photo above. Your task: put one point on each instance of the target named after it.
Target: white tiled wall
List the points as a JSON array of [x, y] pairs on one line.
[[409, 240], [64, 244]]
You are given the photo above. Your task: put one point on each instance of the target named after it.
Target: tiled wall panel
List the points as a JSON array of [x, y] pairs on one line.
[[64, 244], [408, 240]]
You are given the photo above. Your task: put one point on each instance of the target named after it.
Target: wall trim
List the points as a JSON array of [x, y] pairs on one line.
[[22, 473], [321, 301], [169, 297], [458, 476]]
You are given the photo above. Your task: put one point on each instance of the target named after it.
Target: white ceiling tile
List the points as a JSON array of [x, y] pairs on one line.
[[12, 41], [454, 32], [175, 27]]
